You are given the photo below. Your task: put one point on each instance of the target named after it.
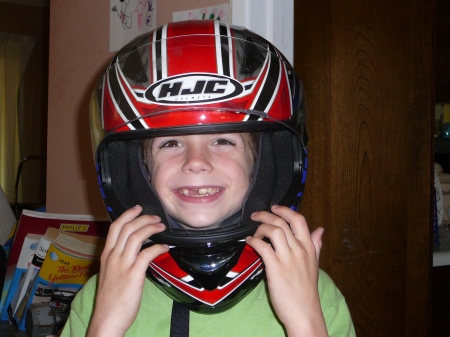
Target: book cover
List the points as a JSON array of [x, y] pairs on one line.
[[32, 222], [24, 290], [7, 218], [70, 261], [26, 255]]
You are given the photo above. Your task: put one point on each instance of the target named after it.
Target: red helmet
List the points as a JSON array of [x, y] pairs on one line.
[[198, 77]]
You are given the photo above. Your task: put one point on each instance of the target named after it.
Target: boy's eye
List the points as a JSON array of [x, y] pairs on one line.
[[171, 143], [222, 141]]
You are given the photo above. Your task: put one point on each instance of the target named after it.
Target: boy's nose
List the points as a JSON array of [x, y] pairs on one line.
[[197, 161]]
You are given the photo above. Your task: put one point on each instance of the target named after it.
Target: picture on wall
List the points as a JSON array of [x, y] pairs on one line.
[[128, 19], [218, 12]]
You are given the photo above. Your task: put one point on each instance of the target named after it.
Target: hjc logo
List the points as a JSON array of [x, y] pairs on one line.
[[193, 89]]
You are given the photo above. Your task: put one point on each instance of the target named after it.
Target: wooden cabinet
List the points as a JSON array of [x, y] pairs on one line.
[[368, 72], [442, 51]]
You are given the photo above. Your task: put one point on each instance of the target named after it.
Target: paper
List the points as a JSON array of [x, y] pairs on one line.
[[218, 12], [128, 19]]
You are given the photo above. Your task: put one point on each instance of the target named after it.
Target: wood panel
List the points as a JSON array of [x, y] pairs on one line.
[[442, 47], [368, 76]]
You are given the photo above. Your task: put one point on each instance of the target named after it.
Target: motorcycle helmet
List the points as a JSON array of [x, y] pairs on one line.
[[200, 77]]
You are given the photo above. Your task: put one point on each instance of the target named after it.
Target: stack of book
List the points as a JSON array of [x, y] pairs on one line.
[[50, 253]]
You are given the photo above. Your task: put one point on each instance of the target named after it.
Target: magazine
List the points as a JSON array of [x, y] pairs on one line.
[[70, 261], [26, 256], [37, 223]]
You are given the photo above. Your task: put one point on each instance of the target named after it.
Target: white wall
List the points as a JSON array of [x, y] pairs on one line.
[[272, 19]]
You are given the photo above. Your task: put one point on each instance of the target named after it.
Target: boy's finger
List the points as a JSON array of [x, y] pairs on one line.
[[262, 248], [278, 221], [316, 238], [137, 238], [116, 227], [272, 219], [131, 227], [297, 222], [149, 254], [277, 237]]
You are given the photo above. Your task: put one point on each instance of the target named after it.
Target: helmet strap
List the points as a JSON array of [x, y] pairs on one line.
[[179, 321]]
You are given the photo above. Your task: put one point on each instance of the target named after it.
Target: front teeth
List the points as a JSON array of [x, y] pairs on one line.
[[197, 193], [183, 191]]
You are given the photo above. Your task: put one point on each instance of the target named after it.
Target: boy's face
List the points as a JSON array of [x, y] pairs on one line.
[[201, 179]]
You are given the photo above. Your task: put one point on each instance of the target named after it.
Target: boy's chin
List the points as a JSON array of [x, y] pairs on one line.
[[198, 227], [199, 224]]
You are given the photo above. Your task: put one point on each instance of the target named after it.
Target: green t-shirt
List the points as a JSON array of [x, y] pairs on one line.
[[252, 316]]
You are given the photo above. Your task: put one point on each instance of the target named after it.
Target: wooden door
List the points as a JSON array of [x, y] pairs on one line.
[[368, 75]]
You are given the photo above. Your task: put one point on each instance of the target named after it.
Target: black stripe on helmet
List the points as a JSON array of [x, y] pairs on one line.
[[225, 50], [270, 83], [121, 102], [157, 46], [253, 117]]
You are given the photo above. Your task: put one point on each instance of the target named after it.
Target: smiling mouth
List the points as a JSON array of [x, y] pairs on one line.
[[200, 192]]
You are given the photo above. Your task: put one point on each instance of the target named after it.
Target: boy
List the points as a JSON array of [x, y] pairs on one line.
[[201, 124]]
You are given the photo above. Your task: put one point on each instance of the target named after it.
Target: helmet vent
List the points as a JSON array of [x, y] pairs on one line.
[[208, 270]]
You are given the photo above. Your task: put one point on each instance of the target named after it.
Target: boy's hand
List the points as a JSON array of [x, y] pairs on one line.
[[122, 272], [292, 269]]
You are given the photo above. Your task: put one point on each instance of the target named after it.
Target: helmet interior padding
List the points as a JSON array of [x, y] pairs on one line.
[[272, 176]]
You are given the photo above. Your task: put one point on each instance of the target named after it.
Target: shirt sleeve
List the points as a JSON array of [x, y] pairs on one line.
[[335, 311], [81, 311]]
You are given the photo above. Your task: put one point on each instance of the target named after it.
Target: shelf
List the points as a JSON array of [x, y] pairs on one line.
[[442, 145], [441, 253]]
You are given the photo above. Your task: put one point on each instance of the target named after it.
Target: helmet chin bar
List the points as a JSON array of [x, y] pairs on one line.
[[208, 270], [184, 277]]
